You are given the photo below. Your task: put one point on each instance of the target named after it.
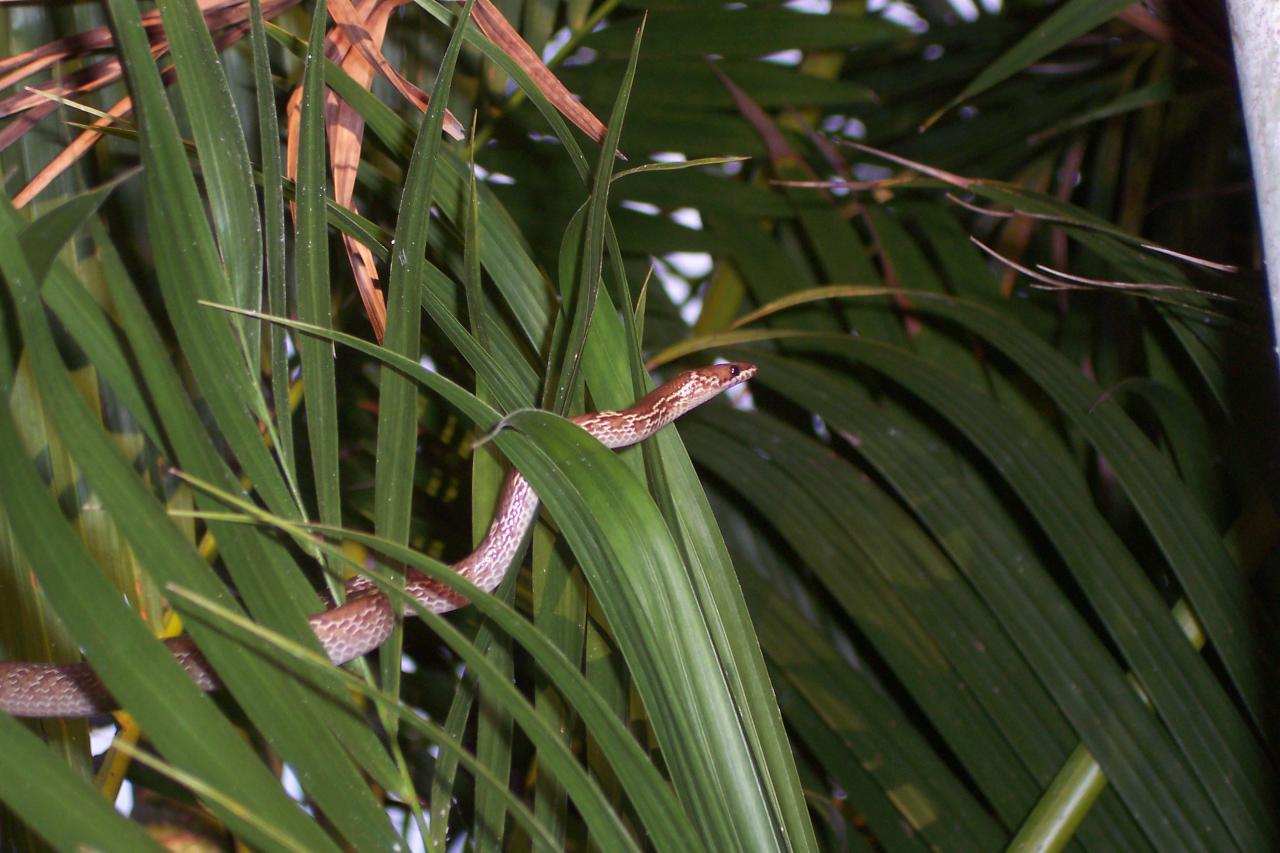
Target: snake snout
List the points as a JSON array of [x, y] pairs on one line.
[[740, 371]]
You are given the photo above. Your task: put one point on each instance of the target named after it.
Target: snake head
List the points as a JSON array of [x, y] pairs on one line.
[[691, 389], [707, 382], [733, 373], [695, 387]]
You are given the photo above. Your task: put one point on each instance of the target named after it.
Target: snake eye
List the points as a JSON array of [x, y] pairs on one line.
[[733, 370]]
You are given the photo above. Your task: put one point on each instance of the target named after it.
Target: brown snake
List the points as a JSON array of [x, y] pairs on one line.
[[366, 619]]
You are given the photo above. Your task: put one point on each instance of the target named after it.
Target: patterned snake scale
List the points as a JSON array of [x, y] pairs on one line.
[[366, 619]]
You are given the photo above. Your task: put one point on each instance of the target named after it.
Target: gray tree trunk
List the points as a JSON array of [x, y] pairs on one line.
[[1255, 34]]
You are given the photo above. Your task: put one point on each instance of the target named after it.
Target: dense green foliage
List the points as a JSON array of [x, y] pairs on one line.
[[978, 562]]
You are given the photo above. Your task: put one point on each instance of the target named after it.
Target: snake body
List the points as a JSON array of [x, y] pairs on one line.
[[366, 619]]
